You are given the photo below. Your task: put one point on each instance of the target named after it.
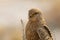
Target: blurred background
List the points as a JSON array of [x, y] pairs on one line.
[[14, 16]]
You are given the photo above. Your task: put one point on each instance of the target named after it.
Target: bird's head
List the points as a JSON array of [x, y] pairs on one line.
[[34, 14]]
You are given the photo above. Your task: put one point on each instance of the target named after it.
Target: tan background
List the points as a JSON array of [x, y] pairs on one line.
[[12, 11]]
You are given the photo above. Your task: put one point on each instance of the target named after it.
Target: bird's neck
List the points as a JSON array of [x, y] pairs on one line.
[[36, 22]]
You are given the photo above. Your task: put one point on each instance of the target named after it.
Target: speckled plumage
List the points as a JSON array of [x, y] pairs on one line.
[[35, 28]]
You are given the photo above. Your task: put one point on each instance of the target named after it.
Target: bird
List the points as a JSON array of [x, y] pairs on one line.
[[36, 28]]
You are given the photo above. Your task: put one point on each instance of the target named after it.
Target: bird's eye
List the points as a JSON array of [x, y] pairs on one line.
[[36, 12], [30, 16]]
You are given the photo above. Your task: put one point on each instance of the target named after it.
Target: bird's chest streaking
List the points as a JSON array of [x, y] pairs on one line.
[[32, 32]]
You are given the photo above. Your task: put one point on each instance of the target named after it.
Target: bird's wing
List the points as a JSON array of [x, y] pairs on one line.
[[44, 33], [48, 31]]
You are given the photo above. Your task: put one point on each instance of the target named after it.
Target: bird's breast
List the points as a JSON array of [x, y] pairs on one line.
[[32, 32]]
